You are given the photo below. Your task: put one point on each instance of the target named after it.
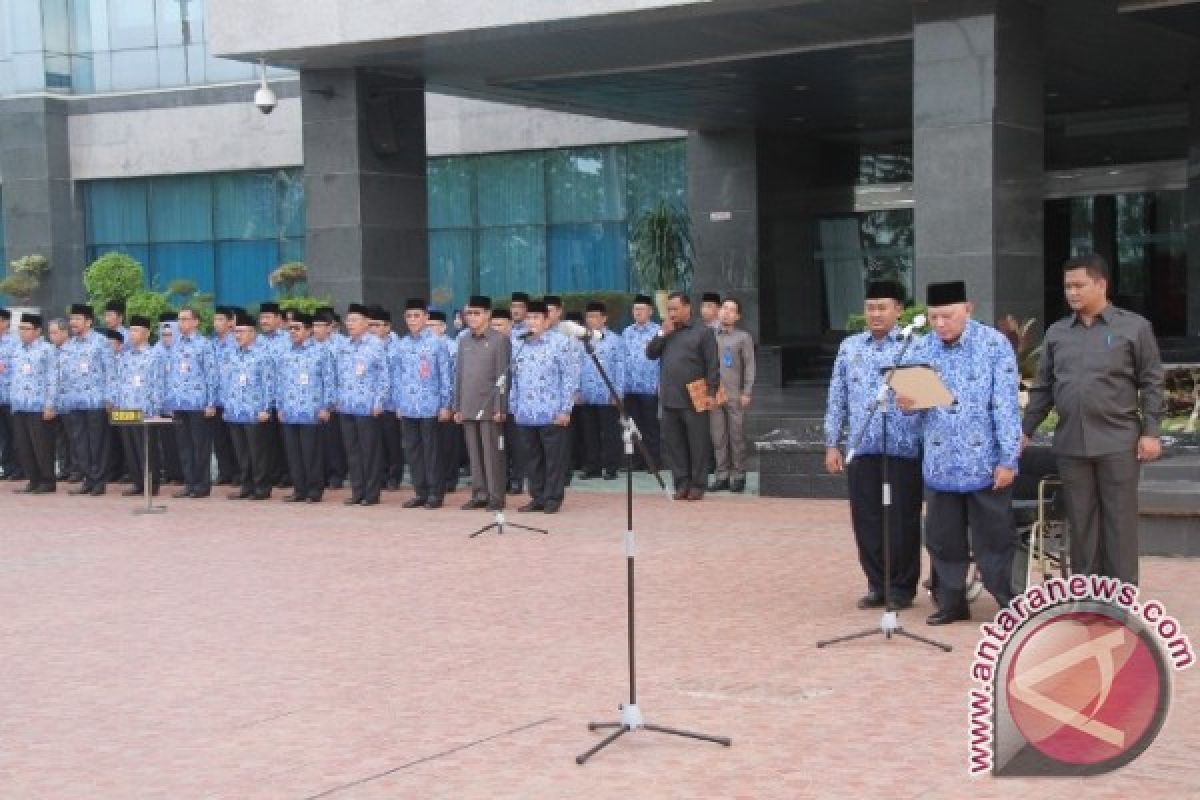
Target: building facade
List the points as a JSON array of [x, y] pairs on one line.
[[483, 147]]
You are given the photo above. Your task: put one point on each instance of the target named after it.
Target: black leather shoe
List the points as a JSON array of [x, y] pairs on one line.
[[900, 602], [719, 486], [132, 491], [531, 506], [352, 501], [871, 599], [413, 502], [369, 501], [43, 490], [293, 498], [182, 493], [498, 506], [261, 496], [97, 491], [610, 475], [952, 607], [313, 499], [200, 495], [434, 503], [240, 495], [473, 504], [78, 490], [588, 475], [738, 485], [552, 508]]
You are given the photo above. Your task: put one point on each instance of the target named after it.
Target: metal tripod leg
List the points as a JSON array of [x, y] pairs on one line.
[[612, 737], [918, 638], [500, 524]]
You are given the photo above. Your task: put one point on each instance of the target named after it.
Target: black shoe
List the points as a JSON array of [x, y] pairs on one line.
[[531, 506], [293, 498], [73, 478], [369, 501], [588, 475], [182, 493], [261, 496], [474, 503], [872, 599], [43, 490], [392, 485], [352, 501], [610, 474], [413, 502], [900, 602], [451, 488], [283, 483], [336, 483], [738, 485], [242, 495], [434, 503], [224, 481], [497, 506], [952, 607], [97, 491], [133, 491], [78, 490], [719, 486], [197, 495], [316, 498], [552, 508]]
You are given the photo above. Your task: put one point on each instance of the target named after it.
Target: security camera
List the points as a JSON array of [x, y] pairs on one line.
[[264, 99]]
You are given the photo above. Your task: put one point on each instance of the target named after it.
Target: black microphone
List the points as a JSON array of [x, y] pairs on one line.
[[525, 335]]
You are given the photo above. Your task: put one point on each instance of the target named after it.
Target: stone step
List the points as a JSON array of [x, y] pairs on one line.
[[1170, 498], [1180, 468], [1169, 535]]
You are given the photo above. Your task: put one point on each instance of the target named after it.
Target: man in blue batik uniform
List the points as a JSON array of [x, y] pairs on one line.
[[380, 324], [598, 415], [191, 400], [86, 360], [452, 446], [9, 342], [223, 343], [421, 395], [305, 394], [139, 384], [641, 378], [114, 320], [249, 398], [858, 374], [970, 452], [333, 452], [361, 368], [34, 397], [543, 392]]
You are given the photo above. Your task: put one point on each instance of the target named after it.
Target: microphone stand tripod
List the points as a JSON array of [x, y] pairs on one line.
[[889, 623], [499, 523], [631, 715]]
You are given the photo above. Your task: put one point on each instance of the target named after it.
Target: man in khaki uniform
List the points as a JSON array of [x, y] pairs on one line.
[[735, 352]]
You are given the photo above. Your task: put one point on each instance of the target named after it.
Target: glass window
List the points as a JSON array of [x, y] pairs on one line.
[[3, 248], [511, 258], [181, 209], [854, 249], [133, 69], [191, 261], [242, 270], [588, 256], [450, 185], [657, 172], [172, 67], [512, 189], [245, 206], [117, 211], [587, 184], [131, 24], [451, 268]]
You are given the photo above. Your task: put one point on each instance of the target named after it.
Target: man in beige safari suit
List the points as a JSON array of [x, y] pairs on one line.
[[735, 352]]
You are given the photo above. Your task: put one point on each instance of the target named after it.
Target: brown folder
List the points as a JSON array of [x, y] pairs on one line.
[[698, 391]]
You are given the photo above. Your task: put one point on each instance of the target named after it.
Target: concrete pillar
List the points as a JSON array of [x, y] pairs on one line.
[[1192, 207], [40, 212], [364, 183], [723, 203], [978, 131]]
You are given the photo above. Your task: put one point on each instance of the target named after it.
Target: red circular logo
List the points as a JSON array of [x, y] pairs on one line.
[[1085, 688]]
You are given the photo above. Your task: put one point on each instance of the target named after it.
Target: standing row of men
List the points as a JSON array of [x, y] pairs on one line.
[[1100, 369], [296, 391]]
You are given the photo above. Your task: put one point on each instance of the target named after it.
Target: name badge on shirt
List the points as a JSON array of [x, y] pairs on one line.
[[26, 369], [84, 367], [304, 379], [727, 359], [360, 369], [184, 366], [425, 369], [137, 380], [243, 379]]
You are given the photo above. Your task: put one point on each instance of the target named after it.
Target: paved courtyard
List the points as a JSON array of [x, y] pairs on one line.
[[264, 650]]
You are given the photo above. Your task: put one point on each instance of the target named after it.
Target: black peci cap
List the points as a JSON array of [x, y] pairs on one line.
[[480, 301], [945, 294]]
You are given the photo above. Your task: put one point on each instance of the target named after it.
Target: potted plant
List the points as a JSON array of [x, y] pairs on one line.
[[24, 279], [660, 246], [288, 278]]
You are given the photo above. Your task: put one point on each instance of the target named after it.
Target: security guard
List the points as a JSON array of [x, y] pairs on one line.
[[139, 385], [421, 382], [248, 382], [34, 394], [305, 395], [598, 415], [87, 359]]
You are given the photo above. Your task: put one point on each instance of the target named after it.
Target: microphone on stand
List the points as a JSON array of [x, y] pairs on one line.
[[525, 335], [577, 331], [917, 322]]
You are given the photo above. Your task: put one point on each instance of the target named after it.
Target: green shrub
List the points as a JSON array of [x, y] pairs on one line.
[[145, 303], [112, 276], [858, 322], [305, 305]]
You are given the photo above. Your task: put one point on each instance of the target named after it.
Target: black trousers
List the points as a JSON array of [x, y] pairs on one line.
[[227, 469], [63, 453], [988, 515], [1101, 496], [421, 445], [514, 454], [601, 427], [574, 444], [687, 447], [451, 451], [133, 441], [194, 438], [34, 440], [392, 461], [114, 465], [544, 449], [87, 432], [277, 464], [302, 444], [168, 448], [864, 476], [333, 451], [643, 409], [8, 447], [252, 443], [364, 455]]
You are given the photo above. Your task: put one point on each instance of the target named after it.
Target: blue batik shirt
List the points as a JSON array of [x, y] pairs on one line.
[[543, 385], [9, 343], [275, 342], [518, 328], [853, 391], [85, 363], [389, 350], [966, 441], [451, 343], [248, 383], [610, 350], [641, 374], [35, 378], [192, 375], [305, 383], [421, 376], [140, 379], [362, 375]]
